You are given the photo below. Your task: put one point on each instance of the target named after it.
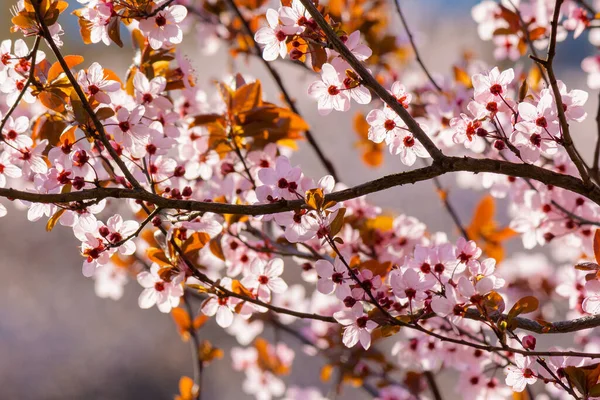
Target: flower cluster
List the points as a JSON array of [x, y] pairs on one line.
[[193, 189]]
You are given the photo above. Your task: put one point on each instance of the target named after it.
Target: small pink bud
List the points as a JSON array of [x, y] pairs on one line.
[[529, 342]]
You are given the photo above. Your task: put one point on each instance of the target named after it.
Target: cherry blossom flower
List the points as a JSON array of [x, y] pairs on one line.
[[573, 102], [109, 281], [283, 179], [149, 92], [410, 285], [265, 278], [98, 18], [591, 303], [33, 159], [275, 35], [7, 168], [117, 230], [329, 91], [333, 278], [359, 50], [493, 85], [165, 295], [163, 29], [129, 130], [95, 84], [222, 307], [523, 373], [357, 326]]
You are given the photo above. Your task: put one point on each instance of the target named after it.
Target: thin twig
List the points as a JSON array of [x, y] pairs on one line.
[[195, 345], [435, 391], [414, 46]]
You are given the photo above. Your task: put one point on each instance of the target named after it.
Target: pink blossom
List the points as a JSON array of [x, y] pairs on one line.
[[265, 278], [165, 295], [523, 373], [357, 326], [163, 28], [329, 91]]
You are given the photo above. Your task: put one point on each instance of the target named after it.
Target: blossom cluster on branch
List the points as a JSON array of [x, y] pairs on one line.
[[216, 217]]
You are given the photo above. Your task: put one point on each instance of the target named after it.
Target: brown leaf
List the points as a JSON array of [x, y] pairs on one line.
[[525, 305], [338, 222], [114, 31]]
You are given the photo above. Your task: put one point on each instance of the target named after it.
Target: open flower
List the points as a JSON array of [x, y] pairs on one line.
[[265, 278], [163, 27], [165, 295], [333, 277], [274, 36], [329, 91], [357, 326], [521, 374]]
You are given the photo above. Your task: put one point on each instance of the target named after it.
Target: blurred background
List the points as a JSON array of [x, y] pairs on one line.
[[58, 340]]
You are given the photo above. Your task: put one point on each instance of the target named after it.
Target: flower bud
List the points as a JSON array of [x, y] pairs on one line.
[[529, 342]]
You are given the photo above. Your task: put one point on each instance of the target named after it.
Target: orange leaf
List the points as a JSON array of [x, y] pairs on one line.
[[188, 390], [216, 249], [208, 353], [597, 245], [56, 69], [461, 76], [237, 287], [158, 256], [54, 219], [326, 372], [183, 322], [484, 230], [195, 243]]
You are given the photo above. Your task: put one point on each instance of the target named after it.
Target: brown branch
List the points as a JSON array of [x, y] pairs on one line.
[[414, 46], [596, 167], [448, 164], [435, 391], [279, 82], [195, 346]]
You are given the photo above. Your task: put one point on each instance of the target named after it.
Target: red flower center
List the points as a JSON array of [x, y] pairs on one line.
[[541, 121], [124, 126], [409, 141], [280, 36], [333, 90], [389, 125], [496, 89], [263, 279], [282, 183], [160, 20], [362, 322]]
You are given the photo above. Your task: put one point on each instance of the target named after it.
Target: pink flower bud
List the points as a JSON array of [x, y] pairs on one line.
[[529, 342]]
